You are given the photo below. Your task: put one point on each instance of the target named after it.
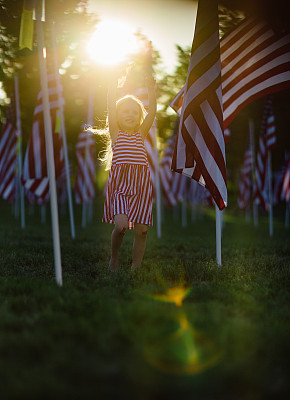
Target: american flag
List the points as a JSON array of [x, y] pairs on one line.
[[8, 146], [165, 172], [267, 141], [200, 146], [285, 192], [245, 181], [85, 175], [35, 175], [255, 62]]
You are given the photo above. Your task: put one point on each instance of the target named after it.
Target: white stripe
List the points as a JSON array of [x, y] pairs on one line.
[[213, 125], [241, 54], [284, 58], [229, 37], [209, 161], [201, 84], [274, 80], [203, 50]]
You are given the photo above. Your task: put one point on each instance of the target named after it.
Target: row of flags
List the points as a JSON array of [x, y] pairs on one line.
[[254, 183], [35, 175]]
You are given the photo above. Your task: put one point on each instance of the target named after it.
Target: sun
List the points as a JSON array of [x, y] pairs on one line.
[[112, 42]]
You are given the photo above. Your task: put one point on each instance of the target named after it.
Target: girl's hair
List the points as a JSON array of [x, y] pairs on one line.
[[106, 155]]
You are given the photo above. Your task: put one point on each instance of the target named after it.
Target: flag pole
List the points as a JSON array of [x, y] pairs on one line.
[[218, 231], [49, 153], [255, 205], [85, 209], [63, 134], [271, 231], [157, 180], [19, 151]]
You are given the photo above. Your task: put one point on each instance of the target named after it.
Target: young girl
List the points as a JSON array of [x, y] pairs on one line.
[[128, 202]]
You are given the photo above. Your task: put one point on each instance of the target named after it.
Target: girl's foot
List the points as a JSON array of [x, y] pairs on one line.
[[113, 266]]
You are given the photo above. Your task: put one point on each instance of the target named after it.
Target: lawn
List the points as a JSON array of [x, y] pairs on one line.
[[178, 327]]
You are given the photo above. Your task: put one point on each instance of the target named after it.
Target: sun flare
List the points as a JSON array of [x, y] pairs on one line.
[[112, 42]]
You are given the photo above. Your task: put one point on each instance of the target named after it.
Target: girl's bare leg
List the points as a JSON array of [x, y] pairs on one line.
[[121, 225], [139, 244]]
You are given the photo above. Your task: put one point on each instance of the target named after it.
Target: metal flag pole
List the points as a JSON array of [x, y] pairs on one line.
[[218, 232], [157, 183], [269, 165], [49, 153], [252, 144], [63, 135], [19, 152]]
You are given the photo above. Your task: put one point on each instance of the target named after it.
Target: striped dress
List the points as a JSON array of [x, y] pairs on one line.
[[129, 189]]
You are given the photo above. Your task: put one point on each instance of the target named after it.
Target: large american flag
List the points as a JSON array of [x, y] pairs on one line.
[[255, 62], [85, 175], [35, 174], [267, 141], [8, 162], [200, 145], [245, 181]]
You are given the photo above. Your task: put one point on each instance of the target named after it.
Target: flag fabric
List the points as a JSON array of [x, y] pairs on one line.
[[165, 172], [267, 141], [8, 154], [255, 62], [285, 192], [245, 181], [35, 174], [200, 146], [85, 175]]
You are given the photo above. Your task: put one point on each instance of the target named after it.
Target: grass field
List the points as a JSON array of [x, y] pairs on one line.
[[130, 335]]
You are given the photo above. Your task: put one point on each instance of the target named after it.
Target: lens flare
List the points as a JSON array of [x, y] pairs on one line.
[[185, 352], [112, 42], [174, 295]]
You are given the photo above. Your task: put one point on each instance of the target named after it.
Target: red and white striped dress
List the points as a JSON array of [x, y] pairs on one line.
[[129, 189]]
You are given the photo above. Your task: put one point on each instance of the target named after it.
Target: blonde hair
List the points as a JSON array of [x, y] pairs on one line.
[[106, 155]]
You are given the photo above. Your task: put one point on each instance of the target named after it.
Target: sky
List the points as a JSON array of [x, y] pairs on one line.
[[164, 22]]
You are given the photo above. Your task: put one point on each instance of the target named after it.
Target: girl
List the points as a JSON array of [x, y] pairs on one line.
[[128, 202]]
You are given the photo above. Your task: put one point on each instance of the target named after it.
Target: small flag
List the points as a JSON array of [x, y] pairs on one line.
[[26, 25], [8, 148], [85, 175], [266, 143]]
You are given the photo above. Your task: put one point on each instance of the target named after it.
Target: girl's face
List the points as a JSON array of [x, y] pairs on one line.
[[128, 115]]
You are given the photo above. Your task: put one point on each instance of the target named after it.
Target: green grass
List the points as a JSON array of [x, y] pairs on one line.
[[106, 336]]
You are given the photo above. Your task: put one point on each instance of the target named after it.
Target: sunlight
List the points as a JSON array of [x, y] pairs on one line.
[[112, 42]]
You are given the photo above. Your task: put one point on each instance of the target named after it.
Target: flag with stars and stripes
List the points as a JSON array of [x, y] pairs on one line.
[[245, 180], [200, 145], [8, 150], [255, 62], [85, 175], [267, 141], [35, 174]]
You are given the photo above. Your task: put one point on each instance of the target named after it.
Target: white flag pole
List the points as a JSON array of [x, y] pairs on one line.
[[49, 153], [252, 143], [184, 213], [19, 151], [85, 210], [157, 183], [63, 134], [287, 215], [269, 165], [218, 231]]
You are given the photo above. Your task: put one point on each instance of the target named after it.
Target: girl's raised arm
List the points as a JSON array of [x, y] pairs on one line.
[[148, 121], [112, 111]]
